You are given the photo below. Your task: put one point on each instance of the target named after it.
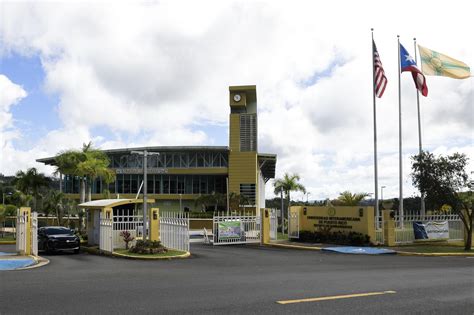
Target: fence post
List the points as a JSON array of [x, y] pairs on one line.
[[154, 217], [388, 228], [265, 226]]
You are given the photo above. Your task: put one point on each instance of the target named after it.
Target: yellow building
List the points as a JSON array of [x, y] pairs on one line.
[[179, 175]]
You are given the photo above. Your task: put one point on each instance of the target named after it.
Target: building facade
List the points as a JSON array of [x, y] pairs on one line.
[[177, 176]]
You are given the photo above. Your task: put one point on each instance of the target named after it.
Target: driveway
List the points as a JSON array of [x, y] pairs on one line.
[[241, 279]]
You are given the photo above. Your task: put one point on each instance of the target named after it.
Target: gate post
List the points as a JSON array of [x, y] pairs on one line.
[[265, 226], [26, 213], [388, 228], [154, 217]]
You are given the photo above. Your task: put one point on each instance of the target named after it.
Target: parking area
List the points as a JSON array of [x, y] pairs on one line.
[[240, 279]]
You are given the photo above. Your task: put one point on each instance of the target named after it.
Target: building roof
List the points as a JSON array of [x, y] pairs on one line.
[[51, 160], [109, 203], [267, 164]]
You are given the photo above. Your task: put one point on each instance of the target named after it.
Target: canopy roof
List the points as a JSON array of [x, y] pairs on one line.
[[267, 164], [110, 203]]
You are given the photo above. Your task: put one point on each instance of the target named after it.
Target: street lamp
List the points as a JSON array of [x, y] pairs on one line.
[[381, 192], [145, 154]]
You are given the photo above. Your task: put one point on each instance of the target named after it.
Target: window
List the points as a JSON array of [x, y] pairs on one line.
[[248, 192], [248, 132]]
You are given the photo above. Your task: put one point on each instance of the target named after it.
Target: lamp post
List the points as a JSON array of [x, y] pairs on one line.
[[381, 192], [307, 194], [145, 154], [180, 207]]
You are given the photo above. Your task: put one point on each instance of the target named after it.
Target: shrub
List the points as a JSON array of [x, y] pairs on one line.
[[127, 237], [148, 247], [337, 237]]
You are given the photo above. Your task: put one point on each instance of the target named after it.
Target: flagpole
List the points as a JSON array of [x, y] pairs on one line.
[[376, 184], [420, 148], [400, 181]]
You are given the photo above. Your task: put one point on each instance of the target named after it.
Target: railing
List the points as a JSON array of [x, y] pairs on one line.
[[236, 229], [273, 224], [34, 233], [124, 221], [20, 232], [294, 225], [106, 236], [174, 230], [404, 230]]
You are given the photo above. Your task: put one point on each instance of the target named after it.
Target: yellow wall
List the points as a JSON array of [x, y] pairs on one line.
[[344, 219]]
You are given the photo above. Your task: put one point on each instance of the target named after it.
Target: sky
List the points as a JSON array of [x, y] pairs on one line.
[[151, 73]]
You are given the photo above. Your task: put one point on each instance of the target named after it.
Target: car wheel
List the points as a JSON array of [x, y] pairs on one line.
[[47, 248]]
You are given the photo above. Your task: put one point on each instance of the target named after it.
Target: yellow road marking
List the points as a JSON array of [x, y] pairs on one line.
[[335, 297]]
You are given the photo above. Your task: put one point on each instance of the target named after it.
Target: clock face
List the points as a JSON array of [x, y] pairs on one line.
[[237, 97]]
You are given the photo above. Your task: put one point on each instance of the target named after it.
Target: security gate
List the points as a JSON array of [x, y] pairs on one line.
[[125, 220], [106, 236], [273, 224], [174, 230], [21, 220], [294, 225], [236, 229]]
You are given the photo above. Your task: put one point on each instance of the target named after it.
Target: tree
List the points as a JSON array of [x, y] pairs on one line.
[[288, 184], [444, 181], [347, 198], [31, 182], [87, 164], [54, 203]]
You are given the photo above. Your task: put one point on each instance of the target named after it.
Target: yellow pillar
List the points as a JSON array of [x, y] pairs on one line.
[[265, 217], [26, 212], [388, 228], [154, 216]]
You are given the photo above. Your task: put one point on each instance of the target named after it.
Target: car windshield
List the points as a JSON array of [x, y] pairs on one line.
[[56, 231]]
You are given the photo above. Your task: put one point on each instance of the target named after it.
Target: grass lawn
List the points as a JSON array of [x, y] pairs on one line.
[[432, 249], [7, 238], [169, 253], [281, 236]]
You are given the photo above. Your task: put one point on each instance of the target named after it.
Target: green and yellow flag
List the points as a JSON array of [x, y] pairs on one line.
[[434, 63]]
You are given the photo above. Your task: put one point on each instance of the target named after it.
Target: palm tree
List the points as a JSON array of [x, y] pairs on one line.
[[54, 203], [287, 184], [346, 198], [31, 182], [87, 164]]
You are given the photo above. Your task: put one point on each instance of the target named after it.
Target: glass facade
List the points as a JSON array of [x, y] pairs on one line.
[[157, 184]]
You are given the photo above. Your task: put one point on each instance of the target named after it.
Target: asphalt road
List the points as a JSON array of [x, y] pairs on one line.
[[241, 279]]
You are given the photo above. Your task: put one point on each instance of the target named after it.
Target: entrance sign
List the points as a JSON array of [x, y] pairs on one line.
[[431, 230], [229, 229]]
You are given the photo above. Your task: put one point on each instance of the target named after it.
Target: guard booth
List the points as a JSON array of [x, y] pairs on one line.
[[107, 218]]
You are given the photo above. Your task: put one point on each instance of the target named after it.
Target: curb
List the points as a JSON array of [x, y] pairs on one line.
[[182, 256], [293, 246], [401, 253], [94, 251], [435, 254]]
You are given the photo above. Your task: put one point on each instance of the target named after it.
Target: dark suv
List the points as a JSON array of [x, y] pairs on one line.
[[57, 238]]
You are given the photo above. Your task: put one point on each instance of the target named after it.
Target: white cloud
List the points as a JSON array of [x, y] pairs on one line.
[[151, 73]]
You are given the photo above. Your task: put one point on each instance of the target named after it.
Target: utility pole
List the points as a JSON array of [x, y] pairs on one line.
[[145, 154]]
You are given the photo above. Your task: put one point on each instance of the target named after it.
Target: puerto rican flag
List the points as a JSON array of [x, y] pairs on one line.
[[407, 63]]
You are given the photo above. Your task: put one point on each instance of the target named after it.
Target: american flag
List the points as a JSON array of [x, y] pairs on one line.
[[380, 80]]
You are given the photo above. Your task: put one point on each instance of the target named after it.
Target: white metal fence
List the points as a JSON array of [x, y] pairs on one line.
[[106, 234], [236, 229], [21, 222], [404, 230], [174, 230], [34, 233], [126, 221], [294, 225], [273, 224]]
